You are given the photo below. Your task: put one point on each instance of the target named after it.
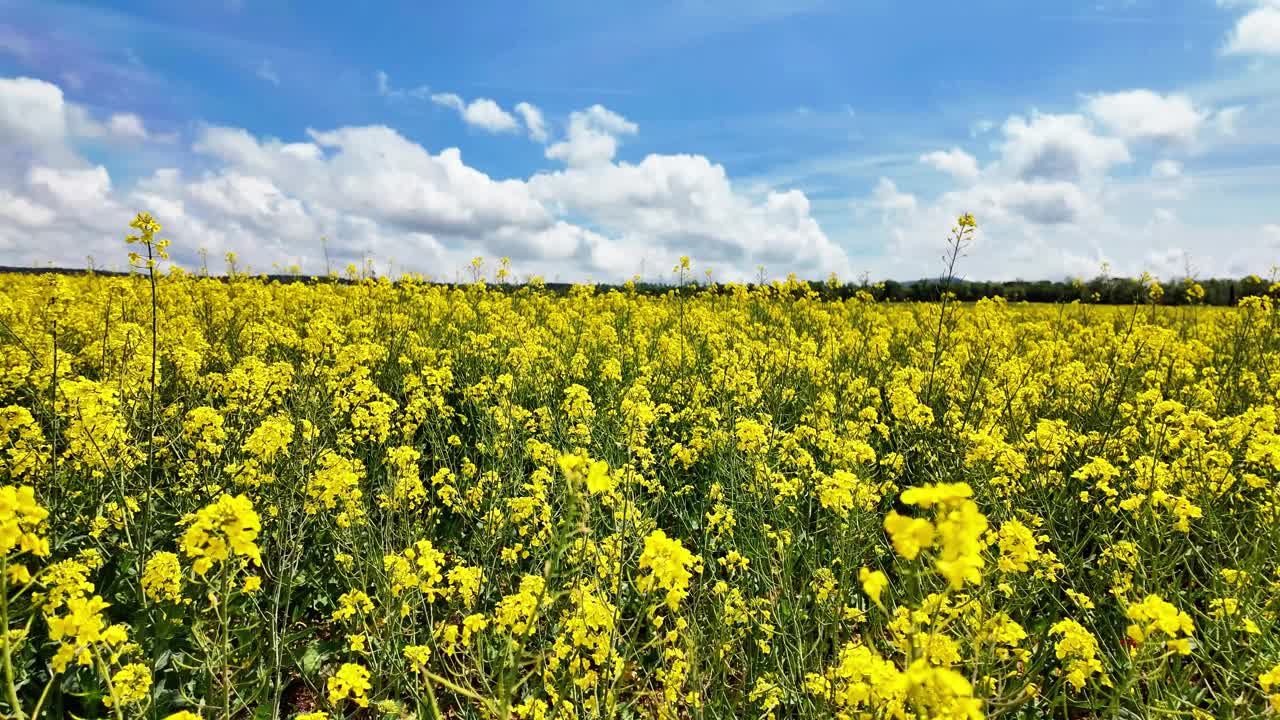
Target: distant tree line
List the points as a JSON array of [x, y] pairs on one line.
[[1100, 290]]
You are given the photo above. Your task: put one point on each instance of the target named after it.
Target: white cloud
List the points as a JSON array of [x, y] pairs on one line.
[[24, 211], [482, 113], [685, 204], [1146, 115], [32, 114], [534, 121], [1058, 147], [1045, 203], [370, 190], [1257, 32], [593, 137], [127, 125], [70, 188], [888, 198], [1050, 201], [954, 162], [1049, 205], [377, 173]]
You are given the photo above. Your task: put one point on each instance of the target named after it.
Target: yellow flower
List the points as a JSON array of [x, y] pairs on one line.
[[21, 520], [1269, 679], [270, 438], [78, 629], [418, 656], [336, 486], [909, 535], [162, 577], [1018, 547], [19, 574], [1084, 601], [1154, 615], [927, 496], [1080, 649], [515, 611], [350, 682], [960, 531], [873, 584], [351, 604], [669, 565], [131, 684], [226, 527]]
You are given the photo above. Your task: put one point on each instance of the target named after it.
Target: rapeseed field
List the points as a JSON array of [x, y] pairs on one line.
[[240, 498]]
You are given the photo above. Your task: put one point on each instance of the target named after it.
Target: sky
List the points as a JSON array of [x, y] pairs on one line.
[[598, 142]]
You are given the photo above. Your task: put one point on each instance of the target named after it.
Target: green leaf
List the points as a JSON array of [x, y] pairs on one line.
[[312, 659]]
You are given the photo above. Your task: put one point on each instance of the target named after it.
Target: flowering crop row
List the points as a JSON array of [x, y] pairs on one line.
[[233, 498]]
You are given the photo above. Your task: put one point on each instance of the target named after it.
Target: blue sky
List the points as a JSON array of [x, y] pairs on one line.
[[601, 140]]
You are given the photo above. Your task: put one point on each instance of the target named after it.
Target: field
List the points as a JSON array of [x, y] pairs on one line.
[[232, 498]]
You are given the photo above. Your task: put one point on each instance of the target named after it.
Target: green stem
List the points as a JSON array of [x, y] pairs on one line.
[[35, 714], [10, 690], [226, 640], [111, 688]]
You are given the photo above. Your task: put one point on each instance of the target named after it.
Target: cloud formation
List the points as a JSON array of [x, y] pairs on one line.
[[593, 137], [1061, 195], [481, 113], [954, 162], [369, 190], [1143, 115], [1257, 32]]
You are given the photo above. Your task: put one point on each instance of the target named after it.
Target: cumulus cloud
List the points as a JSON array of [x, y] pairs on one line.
[[24, 211], [686, 204], [593, 137], [955, 162], [1257, 32], [1054, 202], [1146, 115], [1058, 147], [69, 188], [482, 113], [1044, 203], [33, 115], [370, 190], [888, 198], [378, 173]]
